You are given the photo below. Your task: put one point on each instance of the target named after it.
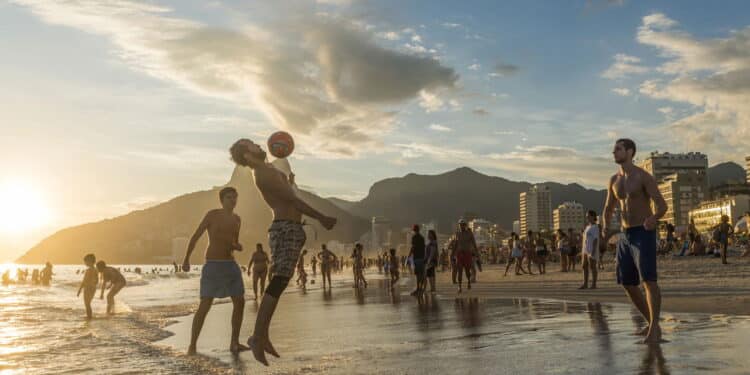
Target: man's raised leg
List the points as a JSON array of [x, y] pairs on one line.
[[198, 319], [259, 342]]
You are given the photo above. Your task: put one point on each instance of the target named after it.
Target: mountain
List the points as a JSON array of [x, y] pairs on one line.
[[446, 197], [341, 203], [724, 173], [146, 236]]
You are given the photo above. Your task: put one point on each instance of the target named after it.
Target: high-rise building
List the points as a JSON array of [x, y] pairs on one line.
[[682, 192], [569, 215], [536, 209], [747, 169], [516, 226], [381, 233], [484, 231], [708, 214], [661, 165]]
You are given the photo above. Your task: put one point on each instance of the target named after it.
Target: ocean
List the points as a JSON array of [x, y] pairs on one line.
[[346, 331]]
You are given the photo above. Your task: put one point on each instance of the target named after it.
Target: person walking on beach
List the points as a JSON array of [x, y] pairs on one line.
[[464, 248], [431, 261], [327, 262], [563, 246], [221, 277], [635, 190], [116, 280], [258, 268], [573, 241], [393, 260], [516, 254], [529, 246], [417, 255], [314, 264], [541, 253], [301, 273], [286, 235], [724, 230], [590, 250], [89, 283]]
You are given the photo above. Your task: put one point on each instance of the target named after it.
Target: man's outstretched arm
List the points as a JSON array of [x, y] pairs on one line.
[[609, 206], [193, 241]]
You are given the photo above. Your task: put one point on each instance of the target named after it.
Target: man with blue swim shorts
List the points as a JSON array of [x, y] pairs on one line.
[[221, 277], [635, 189]]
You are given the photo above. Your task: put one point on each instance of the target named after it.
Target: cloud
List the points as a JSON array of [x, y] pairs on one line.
[[322, 78], [623, 67], [621, 91], [388, 35], [711, 75], [480, 112], [502, 69], [474, 67], [450, 25], [440, 128]]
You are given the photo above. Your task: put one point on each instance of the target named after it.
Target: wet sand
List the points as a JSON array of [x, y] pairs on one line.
[[376, 331], [689, 284]]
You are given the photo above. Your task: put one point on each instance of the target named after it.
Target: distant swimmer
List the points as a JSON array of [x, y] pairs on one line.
[[116, 282], [286, 235], [635, 190], [46, 275], [258, 268], [89, 283], [221, 277]]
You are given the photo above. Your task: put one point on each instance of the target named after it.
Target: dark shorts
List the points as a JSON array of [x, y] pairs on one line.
[[220, 279], [418, 266], [636, 256], [430, 272]]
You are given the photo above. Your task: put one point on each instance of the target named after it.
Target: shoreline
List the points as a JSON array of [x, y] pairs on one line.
[[688, 284]]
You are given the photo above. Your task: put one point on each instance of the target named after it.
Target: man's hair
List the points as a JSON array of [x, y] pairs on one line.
[[100, 265], [415, 227], [89, 257], [591, 213], [227, 190], [237, 152], [628, 144]]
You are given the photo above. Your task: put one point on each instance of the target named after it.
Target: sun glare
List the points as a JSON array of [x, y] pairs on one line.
[[22, 208]]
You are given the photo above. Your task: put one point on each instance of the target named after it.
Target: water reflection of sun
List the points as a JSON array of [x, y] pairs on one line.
[[22, 208]]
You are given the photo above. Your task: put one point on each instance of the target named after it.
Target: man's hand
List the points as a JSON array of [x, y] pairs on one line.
[[238, 246], [291, 178], [605, 229], [650, 223], [327, 222], [185, 265]]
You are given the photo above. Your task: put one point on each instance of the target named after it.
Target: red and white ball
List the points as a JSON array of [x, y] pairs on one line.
[[280, 144]]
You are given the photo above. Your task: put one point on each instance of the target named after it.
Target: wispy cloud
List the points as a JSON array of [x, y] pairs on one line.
[[440, 128], [623, 67], [621, 91]]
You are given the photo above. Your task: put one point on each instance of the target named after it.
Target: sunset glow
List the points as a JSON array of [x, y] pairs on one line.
[[22, 207]]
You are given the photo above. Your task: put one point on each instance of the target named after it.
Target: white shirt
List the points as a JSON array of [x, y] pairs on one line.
[[590, 237]]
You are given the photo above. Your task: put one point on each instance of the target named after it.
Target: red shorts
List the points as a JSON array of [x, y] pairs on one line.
[[463, 259]]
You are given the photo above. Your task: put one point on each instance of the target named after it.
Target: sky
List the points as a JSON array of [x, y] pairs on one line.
[[110, 106]]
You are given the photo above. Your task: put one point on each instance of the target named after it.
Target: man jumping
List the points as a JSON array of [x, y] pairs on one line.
[[635, 189], [286, 236]]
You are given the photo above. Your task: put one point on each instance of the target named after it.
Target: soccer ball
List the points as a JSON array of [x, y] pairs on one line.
[[280, 144]]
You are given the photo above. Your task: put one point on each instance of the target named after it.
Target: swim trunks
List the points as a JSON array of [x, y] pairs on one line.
[[636, 256], [286, 239], [463, 258], [220, 279], [418, 266]]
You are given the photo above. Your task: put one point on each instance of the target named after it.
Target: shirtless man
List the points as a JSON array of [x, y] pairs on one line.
[[634, 189], [327, 260], [286, 236], [221, 277], [258, 268]]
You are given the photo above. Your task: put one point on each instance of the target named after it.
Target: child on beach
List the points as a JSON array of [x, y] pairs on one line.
[[116, 283], [89, 283], [394, 267]]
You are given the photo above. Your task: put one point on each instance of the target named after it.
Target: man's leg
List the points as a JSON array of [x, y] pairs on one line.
[[594, 272], [198, 319], [507, 267], [724, 246], [263, 282], [635, 295], [256, 278], [454, 271], [459, 269], [238, 309], [468, 276], [653, 295], [585, 266], [259, 342]]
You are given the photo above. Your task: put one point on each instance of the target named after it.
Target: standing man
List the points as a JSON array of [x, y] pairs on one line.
[[258, 269], [464, 248], [417, 254], [635, 189], [590, 250], [221, 277], [327, 261], [286, 235]]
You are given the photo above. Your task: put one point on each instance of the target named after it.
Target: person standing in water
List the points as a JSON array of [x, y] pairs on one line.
[[286, 235], [464, 248], [301, 273], [258, 268], [116, 280], [417, 254], [221, 277], [89, 283], [432, 258], [327, 262], [590, 250], [635, 190], [314, 264], [394, 260]]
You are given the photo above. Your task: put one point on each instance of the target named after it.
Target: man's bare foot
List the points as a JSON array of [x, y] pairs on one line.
[[654, 336], [191, 350], [469, 287], [257, 349], [642, 332], [583, 287], [459, 290], [237, 347]]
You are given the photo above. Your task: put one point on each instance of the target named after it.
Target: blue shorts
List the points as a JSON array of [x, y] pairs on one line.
[[418, 266], [636, 256], [220, 279]]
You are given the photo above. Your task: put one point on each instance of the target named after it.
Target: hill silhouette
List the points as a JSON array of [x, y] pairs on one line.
[[146, 236], [723, 173]]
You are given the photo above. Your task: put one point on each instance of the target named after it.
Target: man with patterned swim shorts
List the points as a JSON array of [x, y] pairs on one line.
[[635, 189], [286, 236]]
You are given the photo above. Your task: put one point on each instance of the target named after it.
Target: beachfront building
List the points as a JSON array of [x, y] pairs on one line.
[[569, 215], [484, 232], [380, 233], [682, 191], [661, 165], [516, 226], [708, 214], [747, 169], [536, 209], [729, 189]]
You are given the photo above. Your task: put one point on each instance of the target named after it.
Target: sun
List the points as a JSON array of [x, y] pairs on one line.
[[22, 208]]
